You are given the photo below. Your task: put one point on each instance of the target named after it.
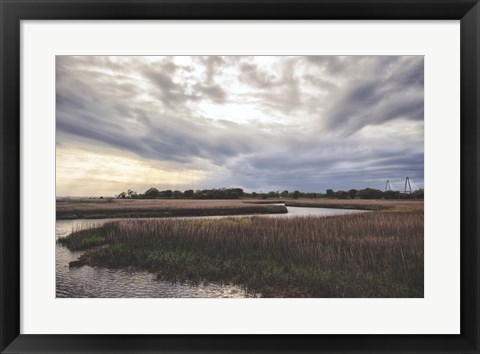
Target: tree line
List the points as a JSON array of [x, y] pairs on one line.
[[366, 193], [237, 193], [154, 193]]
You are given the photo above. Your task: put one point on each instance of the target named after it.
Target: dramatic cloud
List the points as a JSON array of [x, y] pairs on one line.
[[260, 123]]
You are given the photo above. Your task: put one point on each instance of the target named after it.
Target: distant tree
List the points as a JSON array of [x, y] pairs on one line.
[[177, 194], [221, 193], [239, 191], [122, 195], [284, 193], [295, 194], [341, 195], [369, 193], [418, 194], [152, 193], [391, 195], [131, 194], [168, 193], [272, 194], [352, 193], [330, 193], [189, 193]]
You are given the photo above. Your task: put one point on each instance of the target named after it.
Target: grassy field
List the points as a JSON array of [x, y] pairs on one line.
[[362, 255], [148, 208], [363, 204]]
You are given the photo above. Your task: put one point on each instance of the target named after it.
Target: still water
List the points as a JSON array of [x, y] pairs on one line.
[[101, 282], [106, 283]]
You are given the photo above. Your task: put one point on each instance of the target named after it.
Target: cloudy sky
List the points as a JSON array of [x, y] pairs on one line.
[[260, 123]]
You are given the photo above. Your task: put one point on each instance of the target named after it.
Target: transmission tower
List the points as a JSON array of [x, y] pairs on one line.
[[388, 187], [408, 186]]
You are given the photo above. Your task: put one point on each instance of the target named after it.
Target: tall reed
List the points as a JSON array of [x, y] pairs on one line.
[[358, 255]]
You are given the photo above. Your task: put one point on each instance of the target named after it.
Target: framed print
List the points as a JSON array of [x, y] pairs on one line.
[[239, 176]]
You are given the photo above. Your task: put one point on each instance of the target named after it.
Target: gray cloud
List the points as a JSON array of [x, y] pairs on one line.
[[214, 92], [396, 91], [213, 65], [170, 94], [319, 122], [252, 75]]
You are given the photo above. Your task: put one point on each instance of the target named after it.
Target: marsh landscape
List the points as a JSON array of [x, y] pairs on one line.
[[317, 252], [182, 177]]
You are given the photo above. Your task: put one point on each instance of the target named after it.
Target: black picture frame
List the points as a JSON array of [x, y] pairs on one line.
[[14, 11]]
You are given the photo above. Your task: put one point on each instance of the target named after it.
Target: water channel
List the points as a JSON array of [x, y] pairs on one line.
[[123, 283]]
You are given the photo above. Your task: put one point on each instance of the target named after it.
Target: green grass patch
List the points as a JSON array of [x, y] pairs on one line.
[[84, 239]]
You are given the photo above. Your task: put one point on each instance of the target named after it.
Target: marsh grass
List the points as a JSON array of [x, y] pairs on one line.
[[157, 208], [84, 239], [361, 255], [361, 204]]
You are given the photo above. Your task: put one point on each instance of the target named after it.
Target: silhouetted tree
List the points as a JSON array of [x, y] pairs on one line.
[[189, 193], [418, 194], [152, 193], [341, 195], [369, 193], [131, 194], [391, 194], [352, 193]]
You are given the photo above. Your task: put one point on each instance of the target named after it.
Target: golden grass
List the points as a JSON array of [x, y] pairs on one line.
[[362, 255], [142, 208]]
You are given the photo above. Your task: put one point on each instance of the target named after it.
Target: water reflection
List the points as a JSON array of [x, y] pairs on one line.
[[305, 211], [106, 283]]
